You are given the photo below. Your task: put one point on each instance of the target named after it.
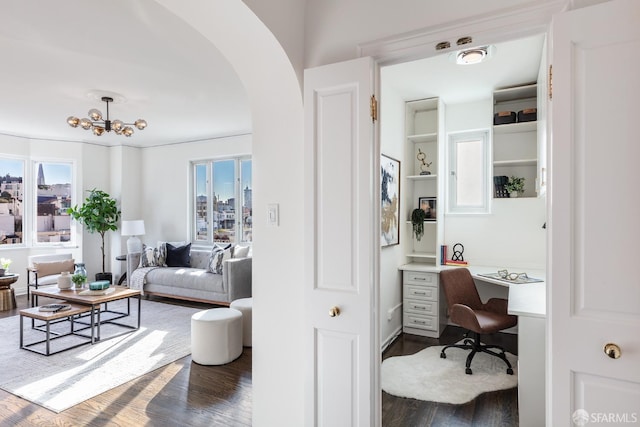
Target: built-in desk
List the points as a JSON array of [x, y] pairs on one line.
[[528, 302]]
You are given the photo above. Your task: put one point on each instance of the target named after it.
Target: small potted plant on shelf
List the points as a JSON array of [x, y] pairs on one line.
[[4, 266], [515, 186], [417, 220]]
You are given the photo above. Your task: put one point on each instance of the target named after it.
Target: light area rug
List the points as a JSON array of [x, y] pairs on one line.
[[425, 376], [60, 381]]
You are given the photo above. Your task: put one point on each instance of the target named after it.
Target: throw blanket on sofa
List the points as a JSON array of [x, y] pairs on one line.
[[138, 278]]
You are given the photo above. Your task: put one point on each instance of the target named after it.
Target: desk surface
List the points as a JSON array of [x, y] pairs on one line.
[[528, 299]]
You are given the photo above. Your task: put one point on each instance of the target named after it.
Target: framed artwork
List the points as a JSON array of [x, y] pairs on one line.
[[429, 205], [390, 197]]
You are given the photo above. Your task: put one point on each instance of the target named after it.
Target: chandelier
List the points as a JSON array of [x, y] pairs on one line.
[[101, 126]]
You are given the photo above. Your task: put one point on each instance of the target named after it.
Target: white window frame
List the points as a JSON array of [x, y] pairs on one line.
[[239, 235], [76, 199], [26, 191], [482, 135]]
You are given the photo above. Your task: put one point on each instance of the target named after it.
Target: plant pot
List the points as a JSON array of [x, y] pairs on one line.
[[104, 276], [513, 194]]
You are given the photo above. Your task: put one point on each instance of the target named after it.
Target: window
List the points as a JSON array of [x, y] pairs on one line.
[[468, 178], [11, 198], [222, 202], [54, 190]]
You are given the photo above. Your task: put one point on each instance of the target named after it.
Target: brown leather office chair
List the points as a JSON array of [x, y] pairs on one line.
[[467, 310]]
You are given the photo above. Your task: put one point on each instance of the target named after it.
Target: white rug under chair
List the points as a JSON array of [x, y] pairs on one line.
[[425, 376]]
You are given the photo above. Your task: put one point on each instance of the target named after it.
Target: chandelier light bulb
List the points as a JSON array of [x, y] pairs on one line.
[[100, 125], [95, 114], [73, 121], [85, 123]]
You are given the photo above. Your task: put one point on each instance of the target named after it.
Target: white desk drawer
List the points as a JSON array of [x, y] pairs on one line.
[[421, 292], [427, 308], [420, 277], [420, 322]]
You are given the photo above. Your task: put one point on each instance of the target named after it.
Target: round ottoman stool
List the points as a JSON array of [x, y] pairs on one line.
[[216, 336], [245, 306]]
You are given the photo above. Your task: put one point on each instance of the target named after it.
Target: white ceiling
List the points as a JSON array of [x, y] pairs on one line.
[[54, 54], [512, 63]]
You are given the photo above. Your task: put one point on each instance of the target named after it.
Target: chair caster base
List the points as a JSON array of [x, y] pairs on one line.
[[510, 371], [443, 356], [468, 371]]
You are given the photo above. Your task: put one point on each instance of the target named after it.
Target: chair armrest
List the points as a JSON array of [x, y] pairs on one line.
[[236, 277], [465, 317], [32, 272], [496, 305]]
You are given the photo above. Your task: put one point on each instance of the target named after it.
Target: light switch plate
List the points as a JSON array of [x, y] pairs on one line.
[[273, 215]]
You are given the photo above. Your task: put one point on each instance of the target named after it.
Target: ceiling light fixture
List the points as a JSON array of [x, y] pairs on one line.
[[474, 55], [101, 126]]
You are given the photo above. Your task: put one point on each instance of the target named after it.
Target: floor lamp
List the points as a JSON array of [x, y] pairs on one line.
[[134, 244]]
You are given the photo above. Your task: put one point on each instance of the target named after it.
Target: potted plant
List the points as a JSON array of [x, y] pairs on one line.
[[99, 214], [4, 264], [417, 220], [78, 280], [515, 186]]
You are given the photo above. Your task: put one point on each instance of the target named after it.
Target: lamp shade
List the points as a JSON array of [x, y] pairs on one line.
[[133, 228]]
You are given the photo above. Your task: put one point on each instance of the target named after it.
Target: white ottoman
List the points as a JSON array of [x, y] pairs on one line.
[[245, 306], [216, 336]]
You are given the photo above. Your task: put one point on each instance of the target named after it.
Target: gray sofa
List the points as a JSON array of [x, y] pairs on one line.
[[196, 283]]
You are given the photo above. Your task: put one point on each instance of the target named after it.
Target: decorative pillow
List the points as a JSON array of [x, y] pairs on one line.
[[213, 257], [178, 256], [54, 267], [220, 257], [162, 251], [149, 257], [240, 251]]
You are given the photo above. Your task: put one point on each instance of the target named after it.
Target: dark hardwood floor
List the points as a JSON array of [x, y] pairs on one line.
[[495, 409], [182, 393]]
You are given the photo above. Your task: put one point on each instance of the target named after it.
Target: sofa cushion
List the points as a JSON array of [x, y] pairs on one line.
[[178, 256], [213, 256], [149, 258], [220, 257], [184, 280], [54, 267], [240, 251]]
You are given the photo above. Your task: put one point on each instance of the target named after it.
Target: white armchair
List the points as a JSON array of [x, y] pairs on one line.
[[44, 270]]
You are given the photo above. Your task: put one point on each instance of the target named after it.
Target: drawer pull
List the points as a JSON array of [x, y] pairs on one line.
[[420, 292], [422, 322], [420, 278], [419, 307]]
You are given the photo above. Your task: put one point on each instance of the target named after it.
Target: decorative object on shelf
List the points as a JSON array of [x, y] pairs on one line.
[[99, 214], [498, 184], [390, 197], [133, 229], [504, 117], [417, 220], [428, 205], [64, 280], [99, 285], [78, 280], [421, 156], [458, 250], [5, 263], [101, 126], [515, 186], [528, 115]]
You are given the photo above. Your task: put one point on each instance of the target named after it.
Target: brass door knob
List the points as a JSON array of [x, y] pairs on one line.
[[334, 311], [612, 350]]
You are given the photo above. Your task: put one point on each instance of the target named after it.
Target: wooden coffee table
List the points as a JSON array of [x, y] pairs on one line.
[[95, 302]]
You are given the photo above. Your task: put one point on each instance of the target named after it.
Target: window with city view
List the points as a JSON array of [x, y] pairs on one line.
[[11, 197], [222, 201], [54, 196]]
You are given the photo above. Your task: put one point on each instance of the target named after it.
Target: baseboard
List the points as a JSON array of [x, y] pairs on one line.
[[395, 334]]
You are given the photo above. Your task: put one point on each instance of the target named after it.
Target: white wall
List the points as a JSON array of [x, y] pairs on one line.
[[512, 235], [391, 257]]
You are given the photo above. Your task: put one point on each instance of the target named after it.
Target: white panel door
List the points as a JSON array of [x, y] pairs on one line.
[[342, 232], [594, 206]]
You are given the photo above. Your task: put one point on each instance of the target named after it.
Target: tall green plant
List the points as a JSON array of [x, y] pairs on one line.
[[99, 214]]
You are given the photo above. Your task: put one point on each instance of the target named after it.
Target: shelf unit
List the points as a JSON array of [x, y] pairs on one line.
[[423, 125], [515, 145]]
